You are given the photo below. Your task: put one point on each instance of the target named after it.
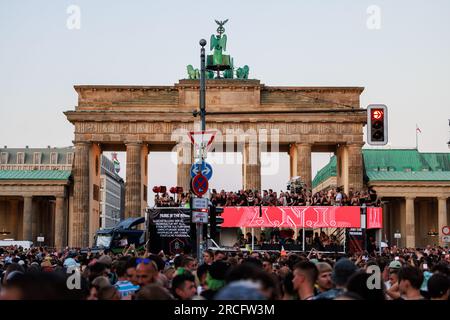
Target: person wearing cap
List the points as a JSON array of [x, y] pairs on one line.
[[324, 282], [393, 268], [392, 288], [342, 271]]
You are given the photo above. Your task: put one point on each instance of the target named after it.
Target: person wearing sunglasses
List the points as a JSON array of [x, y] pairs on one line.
[[146, 271]]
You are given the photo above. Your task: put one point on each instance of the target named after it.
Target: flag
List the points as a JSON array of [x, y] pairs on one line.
[[418, 129], [115, 162]]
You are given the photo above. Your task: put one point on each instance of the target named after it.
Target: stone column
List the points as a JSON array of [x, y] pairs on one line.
[[303, 163], [27, 218], [13, 218], [410, 235], [251, 167], [133, 180], [144, 178], [80, 228], [36, 211], [355, 167], [293, 160], [60, 222], [50, 228], [442, 216], [184, 163]]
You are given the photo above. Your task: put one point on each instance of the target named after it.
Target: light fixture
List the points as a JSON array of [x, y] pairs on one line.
[[4, 232], [432, 233]]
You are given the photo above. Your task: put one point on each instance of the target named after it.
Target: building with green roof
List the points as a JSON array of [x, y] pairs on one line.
[[35, 191], [413, 186], [36, 194]]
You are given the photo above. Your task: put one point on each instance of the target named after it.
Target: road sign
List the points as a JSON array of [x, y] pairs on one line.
[[207, 170], [40, 239], [200, 184], [200, 216], [446, 239], [397, 235], [446, 230], [199, 203], [202, 141]]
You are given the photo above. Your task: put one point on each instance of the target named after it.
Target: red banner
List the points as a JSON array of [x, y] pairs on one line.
[[290, 217], [374, 217]]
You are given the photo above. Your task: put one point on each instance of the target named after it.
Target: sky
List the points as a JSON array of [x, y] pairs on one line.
[[398, 50]]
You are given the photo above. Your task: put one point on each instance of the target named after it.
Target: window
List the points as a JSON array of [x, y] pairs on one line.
[[96, 192], [20, 158], [4, 158], [53, 158], [69, 158], [37, 158]]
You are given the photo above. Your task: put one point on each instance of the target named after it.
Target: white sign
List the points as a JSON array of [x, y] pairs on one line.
[[200, 203], [397, 235], [446, 230], [446, 239], [199, 217], [40, 239]]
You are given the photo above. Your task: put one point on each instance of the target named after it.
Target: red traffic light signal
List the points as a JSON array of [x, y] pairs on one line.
[[377, 114], [377, 133]]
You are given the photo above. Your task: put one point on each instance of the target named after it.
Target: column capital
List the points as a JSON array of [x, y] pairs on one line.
[[302, 144], [133, 143], [356, 145], [81, 143], [410, 198], [442, 198]]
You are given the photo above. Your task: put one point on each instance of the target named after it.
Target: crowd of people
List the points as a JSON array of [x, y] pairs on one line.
[[302, 197], [285, 237], [394, 274]]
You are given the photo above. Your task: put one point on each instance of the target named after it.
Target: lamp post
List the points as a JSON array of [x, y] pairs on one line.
[[199, 226]]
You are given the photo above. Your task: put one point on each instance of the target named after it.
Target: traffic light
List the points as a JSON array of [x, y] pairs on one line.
[[215, 222], [377, 126]]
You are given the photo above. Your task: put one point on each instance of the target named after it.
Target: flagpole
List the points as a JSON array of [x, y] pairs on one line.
[[417, 139]]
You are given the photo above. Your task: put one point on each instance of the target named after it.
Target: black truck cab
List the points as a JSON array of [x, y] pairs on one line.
[[123, 234]]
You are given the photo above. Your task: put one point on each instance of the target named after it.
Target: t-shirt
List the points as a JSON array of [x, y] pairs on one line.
[[242, 200], [126, 289], [329, 295]]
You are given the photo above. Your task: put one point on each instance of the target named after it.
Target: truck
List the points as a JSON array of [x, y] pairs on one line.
[[18, 243], [123, 234]]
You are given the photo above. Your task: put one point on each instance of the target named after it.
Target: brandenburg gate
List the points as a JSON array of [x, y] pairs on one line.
[[142, 119]]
